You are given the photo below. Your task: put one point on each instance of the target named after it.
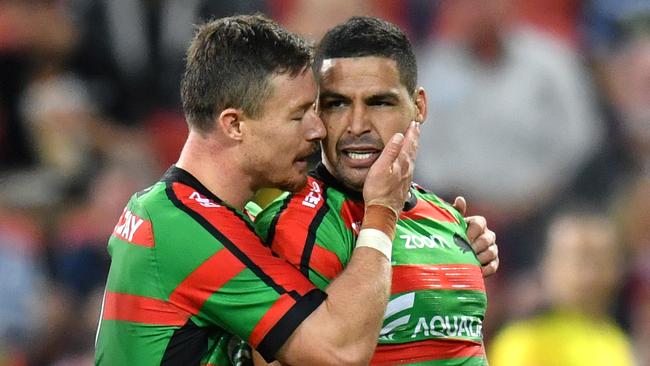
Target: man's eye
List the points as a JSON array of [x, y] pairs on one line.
[[380, 103], [333, 104]]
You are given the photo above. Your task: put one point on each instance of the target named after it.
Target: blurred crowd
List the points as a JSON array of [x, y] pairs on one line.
[[540, 117]]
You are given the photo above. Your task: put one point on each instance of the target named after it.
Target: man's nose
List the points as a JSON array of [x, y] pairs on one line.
[[359, 122], [315, 128]]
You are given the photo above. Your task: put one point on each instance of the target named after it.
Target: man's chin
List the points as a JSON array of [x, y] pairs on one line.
[[294, 185], [354, 180]]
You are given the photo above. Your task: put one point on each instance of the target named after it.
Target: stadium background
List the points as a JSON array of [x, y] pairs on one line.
[[536, 107]]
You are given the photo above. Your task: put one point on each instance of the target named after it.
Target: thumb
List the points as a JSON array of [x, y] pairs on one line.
[[460, 205]]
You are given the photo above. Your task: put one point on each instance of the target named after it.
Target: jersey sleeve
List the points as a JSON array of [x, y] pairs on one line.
[[303, 229], [239, 285]]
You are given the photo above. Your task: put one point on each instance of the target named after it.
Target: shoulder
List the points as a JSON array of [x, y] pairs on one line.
[[434, 206], [303, 203], [297, 211]]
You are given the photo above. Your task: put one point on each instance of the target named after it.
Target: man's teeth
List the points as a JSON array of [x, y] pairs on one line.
[[358, 156]]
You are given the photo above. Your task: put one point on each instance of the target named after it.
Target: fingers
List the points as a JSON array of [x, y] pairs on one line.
[[391, 152], [483, 242], [411, 139], [389, 178], [460, 205], [487, 252], [476, 226], [490, 268], [406, 161]]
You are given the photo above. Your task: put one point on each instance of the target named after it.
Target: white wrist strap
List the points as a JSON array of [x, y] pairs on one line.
[[376, 239]]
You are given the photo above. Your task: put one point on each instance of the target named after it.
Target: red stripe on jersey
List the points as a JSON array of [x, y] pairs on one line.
[[325, 262], [352, 215], [205, 280], [437, 277], [237, 231], [134, 229], [141, 309], [272, 316], [292, 227], [290, 249], [428, 350], [425, 210]]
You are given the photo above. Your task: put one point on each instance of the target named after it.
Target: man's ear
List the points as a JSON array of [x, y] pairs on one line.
[[229, 122], [420, 98]]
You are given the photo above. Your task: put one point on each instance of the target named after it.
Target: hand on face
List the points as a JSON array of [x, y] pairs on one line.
[[389, 178]]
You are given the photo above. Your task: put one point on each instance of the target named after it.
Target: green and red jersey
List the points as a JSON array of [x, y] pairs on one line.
[[438, 299], [187, 270]]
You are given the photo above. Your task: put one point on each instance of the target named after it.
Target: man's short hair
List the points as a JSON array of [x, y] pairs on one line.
[[368, 36], [229, 65]]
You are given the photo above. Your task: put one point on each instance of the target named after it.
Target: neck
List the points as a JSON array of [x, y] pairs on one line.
[[216, 165]]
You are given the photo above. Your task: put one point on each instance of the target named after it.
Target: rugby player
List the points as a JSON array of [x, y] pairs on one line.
[[367, 74]]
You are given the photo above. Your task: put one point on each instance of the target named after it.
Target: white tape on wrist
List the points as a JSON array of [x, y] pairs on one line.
[[376, 239]]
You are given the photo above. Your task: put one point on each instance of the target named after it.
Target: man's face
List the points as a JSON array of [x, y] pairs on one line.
[[362, 104], [582, 265], [285, 134]]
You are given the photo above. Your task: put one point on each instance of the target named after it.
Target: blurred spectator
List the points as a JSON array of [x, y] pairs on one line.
[[60, 120], [47, 107], [132, 51], [621, 41], [78, 258], [33, 36], [626, 74], [514, 120], [580, 270], [21, 311]]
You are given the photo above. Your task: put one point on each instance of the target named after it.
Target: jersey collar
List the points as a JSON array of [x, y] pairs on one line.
[[321, 173], [176, 174]]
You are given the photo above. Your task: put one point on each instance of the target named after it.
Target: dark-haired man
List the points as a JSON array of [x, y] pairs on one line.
[[187, 266], [367, 75]]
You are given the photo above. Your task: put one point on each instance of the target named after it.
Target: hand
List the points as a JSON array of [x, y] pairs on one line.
[[482, 239], [389, 178]]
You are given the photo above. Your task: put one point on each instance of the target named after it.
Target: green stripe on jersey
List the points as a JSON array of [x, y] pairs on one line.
[[113, 348], [242, 295], [435, 314]]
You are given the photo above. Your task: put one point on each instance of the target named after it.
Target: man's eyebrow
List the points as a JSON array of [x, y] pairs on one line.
[[389, 95], [304, 106], [332, 95]]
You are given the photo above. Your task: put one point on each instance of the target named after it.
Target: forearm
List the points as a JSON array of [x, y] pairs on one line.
[[361, 294], [357, 298], [345, 328]]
